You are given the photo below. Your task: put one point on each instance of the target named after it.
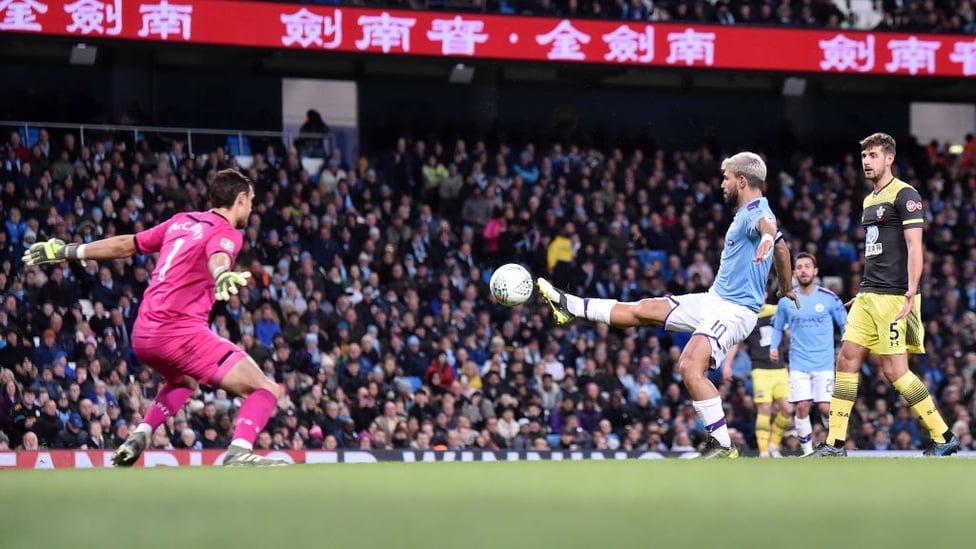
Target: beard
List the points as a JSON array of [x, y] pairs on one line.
[[732, 199], [875, 175]]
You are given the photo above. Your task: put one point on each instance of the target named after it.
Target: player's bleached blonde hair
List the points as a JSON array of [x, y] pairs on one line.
[[748, 165]]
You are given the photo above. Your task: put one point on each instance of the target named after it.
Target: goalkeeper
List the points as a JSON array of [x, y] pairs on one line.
[[171, 335]]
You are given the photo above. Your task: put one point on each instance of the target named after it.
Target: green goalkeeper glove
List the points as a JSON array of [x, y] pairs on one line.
[[227, 283], [52, 251]]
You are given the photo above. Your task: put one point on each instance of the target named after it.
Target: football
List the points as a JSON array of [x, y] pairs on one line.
[[511, 284]]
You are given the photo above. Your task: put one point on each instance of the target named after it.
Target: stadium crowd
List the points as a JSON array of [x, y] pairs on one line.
[[369, 301], [957, 17]]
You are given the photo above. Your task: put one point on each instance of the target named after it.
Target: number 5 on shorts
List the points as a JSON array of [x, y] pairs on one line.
[[893, 334]]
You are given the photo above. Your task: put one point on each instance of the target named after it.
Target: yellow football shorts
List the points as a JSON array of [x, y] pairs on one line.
[[871, 324], [769, 385]]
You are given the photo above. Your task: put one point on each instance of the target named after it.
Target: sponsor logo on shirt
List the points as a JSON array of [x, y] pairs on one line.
[[913, 206], [227, 244], [872, 247]]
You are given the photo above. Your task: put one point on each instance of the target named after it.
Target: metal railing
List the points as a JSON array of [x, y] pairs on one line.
[[232, 139]]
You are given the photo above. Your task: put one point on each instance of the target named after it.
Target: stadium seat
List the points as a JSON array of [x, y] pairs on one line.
[[647, 257], [553, 440], [245, 161], [29, 136], [313, 166], [238, 146], [415, 382], [87, 309]]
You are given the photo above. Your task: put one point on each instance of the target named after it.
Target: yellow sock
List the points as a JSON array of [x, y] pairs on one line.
[[841, 404], [920, 400], [762, 433], [780, 424]]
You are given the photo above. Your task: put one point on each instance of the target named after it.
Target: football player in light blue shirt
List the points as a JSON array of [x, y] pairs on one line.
[[717, 319], [811, 344]]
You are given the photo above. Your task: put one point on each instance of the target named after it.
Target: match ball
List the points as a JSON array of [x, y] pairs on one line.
[[511, 284]]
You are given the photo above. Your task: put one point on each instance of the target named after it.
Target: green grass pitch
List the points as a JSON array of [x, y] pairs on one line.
[[749, 503]]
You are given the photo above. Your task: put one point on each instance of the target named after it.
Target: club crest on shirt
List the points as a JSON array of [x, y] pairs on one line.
[[227, 244], [879, 213]]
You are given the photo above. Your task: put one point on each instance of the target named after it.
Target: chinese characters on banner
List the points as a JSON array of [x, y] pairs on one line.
[[357, 30]]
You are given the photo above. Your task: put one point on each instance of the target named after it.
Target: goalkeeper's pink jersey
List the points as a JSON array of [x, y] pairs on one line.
[[181, 292]]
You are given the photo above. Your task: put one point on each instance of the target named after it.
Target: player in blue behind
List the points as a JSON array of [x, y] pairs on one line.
[[811, 344], [717, 319]]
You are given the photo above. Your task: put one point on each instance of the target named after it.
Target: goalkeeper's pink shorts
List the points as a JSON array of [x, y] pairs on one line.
[[204, 356]]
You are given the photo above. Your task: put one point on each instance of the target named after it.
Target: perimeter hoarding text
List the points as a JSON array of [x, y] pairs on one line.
[[478, 36]]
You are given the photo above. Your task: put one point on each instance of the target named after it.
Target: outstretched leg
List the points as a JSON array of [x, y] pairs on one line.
[[619, 314]]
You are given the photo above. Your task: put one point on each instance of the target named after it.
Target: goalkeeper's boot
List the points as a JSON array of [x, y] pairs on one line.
[[940, 449], [131, 449], [826, 450], [556, 299], [714, 450], [242, 457]]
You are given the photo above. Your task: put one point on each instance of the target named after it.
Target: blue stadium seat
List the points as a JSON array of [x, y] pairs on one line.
[[237, 146], [647, 257], [415, 382], [29, 137], [553, 440]]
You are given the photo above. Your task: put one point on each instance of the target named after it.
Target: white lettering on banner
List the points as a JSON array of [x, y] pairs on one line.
[[20, 15], [625, 43], [842, 53], [964, 53], [306, 28], [912, 55], [44, 461], [689, 47], [88, 16], [153, 459], [565, 40], [385, 32], [321, 457], [457, 36], [164, 19], [358, 457]]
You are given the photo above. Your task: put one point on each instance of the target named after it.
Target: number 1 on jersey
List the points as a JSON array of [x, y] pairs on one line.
[[177, 244]]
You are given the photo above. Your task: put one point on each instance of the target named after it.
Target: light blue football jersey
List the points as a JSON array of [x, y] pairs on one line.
[[739, 280], [811, 328]]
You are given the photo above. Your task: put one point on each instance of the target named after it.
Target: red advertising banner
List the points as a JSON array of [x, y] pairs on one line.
[[293, 26]]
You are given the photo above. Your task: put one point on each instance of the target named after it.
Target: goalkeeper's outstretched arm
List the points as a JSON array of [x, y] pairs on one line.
[[56, 251], [113, 247]]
